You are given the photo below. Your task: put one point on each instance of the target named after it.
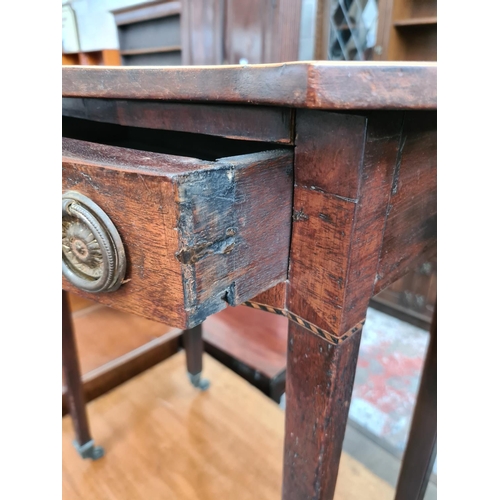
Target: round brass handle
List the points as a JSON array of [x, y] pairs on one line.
[[93, 257]]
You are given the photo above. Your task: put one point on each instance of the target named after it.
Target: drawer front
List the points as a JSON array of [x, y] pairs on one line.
[[197, 235]]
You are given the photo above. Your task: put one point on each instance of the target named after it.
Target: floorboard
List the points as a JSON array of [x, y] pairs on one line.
[[166, 440]]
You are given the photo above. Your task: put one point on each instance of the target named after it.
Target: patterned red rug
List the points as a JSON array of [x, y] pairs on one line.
[[387, 378]]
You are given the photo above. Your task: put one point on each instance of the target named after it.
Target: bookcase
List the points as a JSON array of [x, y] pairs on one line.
[[149, 34], [105, 57], [201, 32], [380, 30], [407, 31]]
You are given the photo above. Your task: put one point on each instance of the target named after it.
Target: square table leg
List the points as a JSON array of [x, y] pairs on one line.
[[319, 383], [420, 452], [193, 345], [84, 443]]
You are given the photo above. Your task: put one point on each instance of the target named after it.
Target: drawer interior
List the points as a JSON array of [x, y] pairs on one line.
[[201, 146]]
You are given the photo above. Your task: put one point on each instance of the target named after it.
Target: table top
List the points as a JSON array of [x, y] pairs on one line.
[[316, 85]]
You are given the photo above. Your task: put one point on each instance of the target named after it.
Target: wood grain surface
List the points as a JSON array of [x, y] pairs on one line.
[[365, 194], [72, 375], [230, 121], [166, 439], [380, 157], [319, 85], [255, 338], [202, 232], [114, 346], [202, 31], [319, 381], [328, 161], [195, 232], [410, 235], [275, 296]]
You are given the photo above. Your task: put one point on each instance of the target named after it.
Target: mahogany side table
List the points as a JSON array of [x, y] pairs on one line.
[[302, 189]]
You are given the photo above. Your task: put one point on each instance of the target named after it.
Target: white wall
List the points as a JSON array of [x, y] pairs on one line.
[[96, 24], [97, 29], [307, 30]]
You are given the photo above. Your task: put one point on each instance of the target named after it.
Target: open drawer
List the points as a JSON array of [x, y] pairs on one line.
[[182, 236]]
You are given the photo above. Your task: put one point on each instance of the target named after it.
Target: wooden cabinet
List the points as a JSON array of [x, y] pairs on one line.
[[235, 32], [407, 30], [106, 57], [209, 32], [381, 30], [202, 23], [411, 298], [261, 31], [149, 34]]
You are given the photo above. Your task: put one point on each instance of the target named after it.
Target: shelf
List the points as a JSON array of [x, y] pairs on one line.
[[105, 57], [416, 21], [146, 12], [155, 50], [71, 59]]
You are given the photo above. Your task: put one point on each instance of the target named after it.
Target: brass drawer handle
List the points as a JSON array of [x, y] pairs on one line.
[[93, 257]]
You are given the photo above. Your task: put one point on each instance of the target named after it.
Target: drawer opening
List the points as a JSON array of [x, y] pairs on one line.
[[201, 146]]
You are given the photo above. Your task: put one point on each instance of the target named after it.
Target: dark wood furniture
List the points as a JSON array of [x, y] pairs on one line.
[[190, 32], [149, 34], [411, 298], [407, 31], [252, 343], [76, 401], [302, 189], [257, 31], [78, 390]]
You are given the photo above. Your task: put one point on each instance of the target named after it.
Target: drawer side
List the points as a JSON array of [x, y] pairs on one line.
[[234, 231]]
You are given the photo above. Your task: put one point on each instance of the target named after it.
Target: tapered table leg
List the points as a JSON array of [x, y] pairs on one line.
[[76, 402], [420, 452], [319, 382], [193, 345]]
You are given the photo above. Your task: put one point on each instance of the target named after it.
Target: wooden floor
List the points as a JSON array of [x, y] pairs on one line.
[[105, 334], [166, 440], [255, 338], [114, 346]]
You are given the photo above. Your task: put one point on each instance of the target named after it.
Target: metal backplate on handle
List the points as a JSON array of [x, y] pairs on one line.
[[93, 257]]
